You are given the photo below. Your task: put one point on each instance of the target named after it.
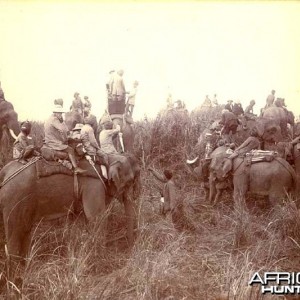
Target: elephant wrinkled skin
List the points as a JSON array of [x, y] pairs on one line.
[[26, 199], [217, 183]]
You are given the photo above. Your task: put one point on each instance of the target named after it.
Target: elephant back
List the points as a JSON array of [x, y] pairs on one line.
[[276, 113], [289, 168]]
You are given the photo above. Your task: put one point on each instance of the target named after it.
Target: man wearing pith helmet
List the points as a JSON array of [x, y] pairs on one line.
[[56, 137]]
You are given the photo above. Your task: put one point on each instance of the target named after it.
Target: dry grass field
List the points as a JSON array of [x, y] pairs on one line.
[[74, 260]]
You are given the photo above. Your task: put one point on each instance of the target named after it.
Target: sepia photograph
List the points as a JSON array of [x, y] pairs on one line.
[[149, 150]]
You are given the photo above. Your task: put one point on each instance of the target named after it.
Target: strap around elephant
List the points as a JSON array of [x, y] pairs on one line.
[[33, 161]]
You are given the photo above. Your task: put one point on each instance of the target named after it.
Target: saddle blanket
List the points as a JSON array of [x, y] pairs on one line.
[[260, 155], [47, 168]]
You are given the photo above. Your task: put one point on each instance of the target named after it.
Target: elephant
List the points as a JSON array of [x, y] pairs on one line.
[[27, 198], [267, 129], [202, 172], [8, 119], [272, 177], [282, 118]]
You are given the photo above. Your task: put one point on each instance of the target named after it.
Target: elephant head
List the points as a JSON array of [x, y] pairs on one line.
[[220, 165], [8, 119], [268, 129], [123, 172]]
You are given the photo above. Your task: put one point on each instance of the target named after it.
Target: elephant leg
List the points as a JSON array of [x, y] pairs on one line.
[[239, 192], [212, 194], [130, 217], [15, 262], [206, 193], [218, 194]]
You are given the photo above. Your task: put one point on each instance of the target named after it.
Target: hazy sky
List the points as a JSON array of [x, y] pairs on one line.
[[238, 50]]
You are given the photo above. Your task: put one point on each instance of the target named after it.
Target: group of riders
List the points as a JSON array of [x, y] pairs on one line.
[[58, 136], [224, 132]]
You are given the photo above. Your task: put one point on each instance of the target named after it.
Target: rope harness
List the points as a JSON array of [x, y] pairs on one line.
[[33, 161]]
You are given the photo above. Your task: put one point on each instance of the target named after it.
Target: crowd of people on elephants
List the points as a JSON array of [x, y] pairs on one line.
[[120, 106], [57, 134], [242, 136]]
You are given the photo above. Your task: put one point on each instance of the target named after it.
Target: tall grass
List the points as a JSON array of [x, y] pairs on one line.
[[215, 261]]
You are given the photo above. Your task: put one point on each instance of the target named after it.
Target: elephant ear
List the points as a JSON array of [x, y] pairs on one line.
[[267, 129], [227, 166]]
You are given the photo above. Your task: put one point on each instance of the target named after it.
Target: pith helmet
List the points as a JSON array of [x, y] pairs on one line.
[[77, 127], [58, 109]]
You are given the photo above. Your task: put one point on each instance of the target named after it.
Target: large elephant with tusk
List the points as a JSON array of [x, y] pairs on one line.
[[8, 119], [9, 130]]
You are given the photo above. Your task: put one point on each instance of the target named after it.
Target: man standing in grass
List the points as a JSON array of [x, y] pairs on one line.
[[169, 192], [172, 206]]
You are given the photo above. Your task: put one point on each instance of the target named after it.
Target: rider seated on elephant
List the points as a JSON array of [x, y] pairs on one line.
[[249, 115], [251, 143], [56, 138], [75, 132], [90, 143], [237, 108], [23, 147], [230, 124], [106, 137]]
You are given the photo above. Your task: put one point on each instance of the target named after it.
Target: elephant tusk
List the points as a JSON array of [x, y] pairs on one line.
[[121, 141], [192, 161], [12, 134]]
